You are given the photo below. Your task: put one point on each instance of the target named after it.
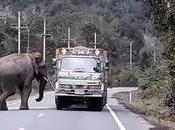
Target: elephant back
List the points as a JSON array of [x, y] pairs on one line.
[[15, 64]]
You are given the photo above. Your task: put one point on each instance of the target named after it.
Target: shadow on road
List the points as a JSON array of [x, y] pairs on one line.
[[83, 108], [80, 107]]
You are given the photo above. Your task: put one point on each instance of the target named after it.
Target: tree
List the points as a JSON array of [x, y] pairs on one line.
[[88, 31], [164, 17]]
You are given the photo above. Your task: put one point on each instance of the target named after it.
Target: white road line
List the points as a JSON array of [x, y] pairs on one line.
[[120, 125], [41, 115], [21, 129]]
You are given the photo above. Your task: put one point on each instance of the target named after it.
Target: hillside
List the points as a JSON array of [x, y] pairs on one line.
[[116, 21]]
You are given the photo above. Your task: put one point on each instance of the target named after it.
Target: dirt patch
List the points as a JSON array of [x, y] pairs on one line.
[[151, 109]]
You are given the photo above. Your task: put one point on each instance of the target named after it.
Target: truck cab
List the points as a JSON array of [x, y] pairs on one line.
[[80, 77]]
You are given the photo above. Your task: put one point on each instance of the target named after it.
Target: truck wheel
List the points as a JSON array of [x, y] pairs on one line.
[[95, 104], [58, 102]]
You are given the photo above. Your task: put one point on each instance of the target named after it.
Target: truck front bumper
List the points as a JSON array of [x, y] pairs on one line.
[[86, 93], [76, 95]]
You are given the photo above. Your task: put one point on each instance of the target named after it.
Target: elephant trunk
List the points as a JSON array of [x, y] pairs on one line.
[[42, 85]]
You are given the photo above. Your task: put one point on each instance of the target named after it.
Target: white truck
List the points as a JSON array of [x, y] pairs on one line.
[[81, 77]]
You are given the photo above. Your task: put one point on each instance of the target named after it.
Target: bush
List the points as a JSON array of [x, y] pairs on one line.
[[126, 78], [154, 82]]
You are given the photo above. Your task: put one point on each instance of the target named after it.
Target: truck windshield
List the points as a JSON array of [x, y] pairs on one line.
[[78, 64]]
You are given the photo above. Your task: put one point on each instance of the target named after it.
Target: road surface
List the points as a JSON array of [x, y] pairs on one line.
[[44, 116]]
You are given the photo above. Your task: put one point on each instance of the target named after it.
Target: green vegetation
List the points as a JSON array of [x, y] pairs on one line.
[[154, 82], [116, 23], [164, 18], [125, 77]]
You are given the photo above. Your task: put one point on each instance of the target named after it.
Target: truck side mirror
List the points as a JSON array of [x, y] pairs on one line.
[[54, 62], [106, 65], [97, 68]]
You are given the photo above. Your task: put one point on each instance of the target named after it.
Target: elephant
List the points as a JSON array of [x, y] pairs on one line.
[[17, 71]]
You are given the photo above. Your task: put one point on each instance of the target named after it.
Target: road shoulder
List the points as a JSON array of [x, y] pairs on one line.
[[150, 111]]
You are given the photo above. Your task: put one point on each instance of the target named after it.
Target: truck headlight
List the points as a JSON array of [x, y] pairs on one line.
[[56, 85], [96, 87], [102, 87], [65, 86], [95, 77]]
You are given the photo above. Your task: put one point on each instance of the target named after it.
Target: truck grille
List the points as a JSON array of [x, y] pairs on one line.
[[86, 87], [79, 87]]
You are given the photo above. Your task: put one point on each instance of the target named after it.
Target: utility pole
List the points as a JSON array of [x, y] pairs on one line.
[[125, 6], [19, 32], [19, 27], [95, 41], [130, 59], [28, 40], [68, 41], [28, 37], [44, 40], [68, 38], [154, 54]]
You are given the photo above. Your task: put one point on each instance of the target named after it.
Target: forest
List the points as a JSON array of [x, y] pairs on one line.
[[117, 24]]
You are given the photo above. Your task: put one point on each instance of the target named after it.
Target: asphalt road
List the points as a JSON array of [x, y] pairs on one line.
[[44, 116]]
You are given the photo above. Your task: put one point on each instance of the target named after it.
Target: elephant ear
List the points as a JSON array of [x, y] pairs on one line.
[[36, 59], [43, 68], [35, 66]]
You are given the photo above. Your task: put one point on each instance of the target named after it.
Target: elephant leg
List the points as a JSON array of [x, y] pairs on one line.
[[20, 90], [4, 105], [3, 98], [24, 98]]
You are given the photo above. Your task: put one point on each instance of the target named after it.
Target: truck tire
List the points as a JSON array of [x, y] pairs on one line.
[[58, 102], [95, 104]]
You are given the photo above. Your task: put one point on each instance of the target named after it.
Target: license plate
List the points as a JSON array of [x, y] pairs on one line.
[[79, 91]]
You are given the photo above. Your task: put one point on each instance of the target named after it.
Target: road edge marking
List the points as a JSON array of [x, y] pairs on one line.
[[120, 125]]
